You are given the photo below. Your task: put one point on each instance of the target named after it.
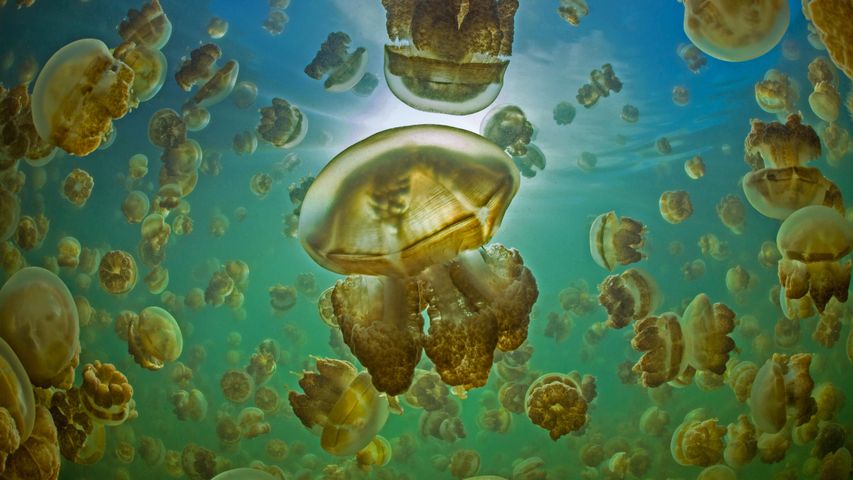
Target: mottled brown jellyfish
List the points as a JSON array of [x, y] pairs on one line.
[[698, 442], [41, 325], [237, 386], [149, 70], [675, 206], [26, 234], [812, 241], [828, 17], [558, 403], [38, 456], [105, 393], [692, 56], [614, 240], [154, 338], [663, 146], [507, 126], [377, 452], [654, 421], [260, 184], [344, 69], [587, 161], [342, 404], [564, 113], [732, 212], [476, 299], [117, 272], [735, 32], [464, 463], [195, 116], [630, 114], [633, 295], [68, 110], [602, 82], [198, 67], [217, 28], [147, 27], [166, 129], [10, 211], [17, 407], [576, 298], [275, 22], [777, 93], [572, 11], [251, 423], [778, 192], [77, 187], [244, 94], [447, 58], [694, 167], [219, 86], [680, 95], [559, 326], [282, 124], [825, 101], [782, 391], [783, 145]]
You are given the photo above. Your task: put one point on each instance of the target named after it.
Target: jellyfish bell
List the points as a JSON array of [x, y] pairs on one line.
[[778, 192], [149, 69], [735, 31], [616, 241], [244, 474], [16, 392], [219, 86], [447, 61], [78, 93], [148, 26]]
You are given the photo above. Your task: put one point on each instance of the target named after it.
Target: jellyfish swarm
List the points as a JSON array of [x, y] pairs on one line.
[[674, 349], [446, 56], [405, 213], [735, 31], [813, 241]]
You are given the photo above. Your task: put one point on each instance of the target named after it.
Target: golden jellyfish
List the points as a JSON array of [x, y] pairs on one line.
[[77, 187], [741, 442], [219, 86], [836, 465], [654, 421], [154, 338], [614, 240], [10, 211], [405, 168], [812, 241], [559, 326], [275, 22], [106, 393], [135, 206], [244, 474], [68, 110], [148, 27], [680, 95], [782, 390], [117, 272], [587, 161], [282, 298], [695, 167], [732, 213], [277, 449], [663, 146], [166, 129], [559, 403], [778, 192], [633, 295], [26, 234], [777, 93], [342, 404], [718, 249], [195, 116], [693, 270], [675, 206], [38, 456], [443, 58], [376, 453], [344, 69], [217, 28], [244, 94], [630, 114], [17, 407], [828, 17], [151, 451], [244, 143], [825, 101], [572, 11], [251, 423], [260, 184], [39, 321], [149, 70], [698, 441], [198, 67], [507, 126], [282, 124], [189, 405], [838, 144], [237, 386], [602, 82], [564, 113], [464, 463], [735, 32], [781, 145], [267, 399]]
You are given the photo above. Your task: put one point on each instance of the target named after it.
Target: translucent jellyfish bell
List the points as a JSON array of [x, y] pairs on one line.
[[16, 392], [445, 59], [244, 474], [735, 31]]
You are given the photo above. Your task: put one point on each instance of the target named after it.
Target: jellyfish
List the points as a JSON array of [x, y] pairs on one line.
[[377, 452], [735, 32], [68, 111], [507, 126], [147, 27], [782, 391], [27, 234], [778, 192], [732, 213], [837, 141], [694, 167], [680, 95], [559, 403], [217, 28], [698, 442], [189, 405], [692, 56], [777, 93], [445, 58], [344, 69], [41, 325], [564, 113], [219, 86], [826, 17], [275, 22], [825, 101], [654, 421], [559, 326], [464, 463], [149, 70], [106, 393], [154, 338], [663, 146], [10, 211], [630, 114], [633, 295], [166, 129], [244, 94], [260, 184], [282, 298], [572, 11], [77, 187], [17, 407], [587, 161], [342, 403], [196, 117], [198, 67], [366, 86], [602, 82], [615, 241], [117, 272], [38, 456], [20, 138], [237, 386], [810, 262], [675, 206], [251, 423]]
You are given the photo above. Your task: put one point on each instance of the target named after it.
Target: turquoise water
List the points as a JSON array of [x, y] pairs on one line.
[[548, 221]]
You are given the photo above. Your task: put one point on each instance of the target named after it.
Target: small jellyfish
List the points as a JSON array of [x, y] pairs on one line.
[[27, 235], [446, 57], [137, 166], [587, 161], [782, 389], [507, 126], [260, 184], [825, 101], [135, 206], [698, 442], [219, 86], [732, 213], [77, 187], [564, 113], [148, 27], [38, 456], [195, 116], [117, 272], [342, 403], [734, 31], [663, 146], [244, 94], [680, 95], [282, 298], [106, 393], [777, 93], [695, 167], [68, 110], [376, 453], [559, 326], [559, 403], [630, 114], [741, 442], [572, 11], [275, 22], [693, 270], [633, 295], [154, 338], [198, 67], [344, 69], [167, 129], [282, 124], [692, 56], [217, 28], [675, 206], [614, 240], [149, 70], [602, 82], [464, 463], [251, 423]]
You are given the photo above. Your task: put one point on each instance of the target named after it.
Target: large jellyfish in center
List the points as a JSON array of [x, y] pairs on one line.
[[448, 56], [406, 214]]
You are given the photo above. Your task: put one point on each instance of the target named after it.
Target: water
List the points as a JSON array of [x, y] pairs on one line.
[[548, 221]]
